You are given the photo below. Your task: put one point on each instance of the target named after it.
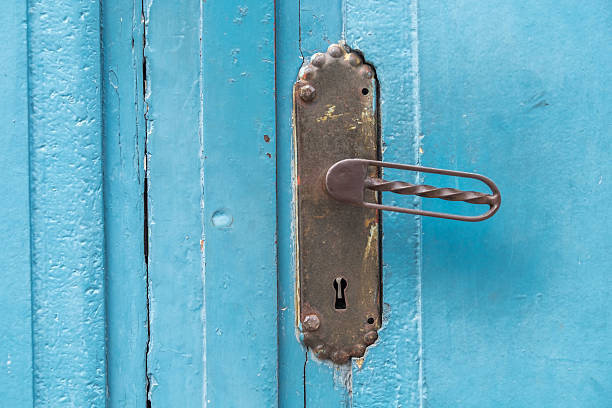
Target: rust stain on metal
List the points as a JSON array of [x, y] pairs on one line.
[[337, 245]]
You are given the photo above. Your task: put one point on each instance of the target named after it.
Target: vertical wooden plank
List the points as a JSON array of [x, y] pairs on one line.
[[517, 309], [240, 203], [126, 290], [175, 361], [292, 356], [387, 34], [67, 234], [15, 301]]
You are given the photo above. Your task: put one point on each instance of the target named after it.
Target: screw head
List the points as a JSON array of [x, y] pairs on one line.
[[311, 322], [370, 337], [335, 51], [340, 357], [318, 59], [307, 93]]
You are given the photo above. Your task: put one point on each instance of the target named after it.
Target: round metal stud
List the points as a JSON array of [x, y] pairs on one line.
[[340, 357], [307, 93], [370, 337], [335, 51], [311, 322], [358, 350], [307, 72], [318, 59], [354, 59], [366, 72]]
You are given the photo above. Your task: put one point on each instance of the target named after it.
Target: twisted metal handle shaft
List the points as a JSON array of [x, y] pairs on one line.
[[424, 190]]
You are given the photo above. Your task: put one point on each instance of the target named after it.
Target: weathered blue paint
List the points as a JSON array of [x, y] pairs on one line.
[[15, 301], [391, 372], [204, 348], [291, 355], [175, 361], [239, 147], [67, 236], [126, 289], [516, 310]]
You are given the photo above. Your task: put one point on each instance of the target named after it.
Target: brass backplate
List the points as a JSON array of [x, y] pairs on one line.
[[338, 252]]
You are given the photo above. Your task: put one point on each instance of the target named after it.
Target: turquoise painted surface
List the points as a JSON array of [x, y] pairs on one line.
[[124, 131], [239, 190], [66, 205], [15, 290], [391, 374], [516, 310], [239, 170], [212, 203], [502, 317], [291, 355], [175, 359]]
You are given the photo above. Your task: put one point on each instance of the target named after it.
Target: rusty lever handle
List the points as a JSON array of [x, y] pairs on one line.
[[347, 180]]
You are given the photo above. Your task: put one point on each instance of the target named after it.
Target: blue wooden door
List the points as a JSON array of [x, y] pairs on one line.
[[148, 216]]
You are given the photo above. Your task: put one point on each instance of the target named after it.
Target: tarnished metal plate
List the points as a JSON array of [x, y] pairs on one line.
[[337, 245]]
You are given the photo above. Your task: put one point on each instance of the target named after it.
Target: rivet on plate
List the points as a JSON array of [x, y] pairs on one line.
[[370, 337], [311, 322], [340, 357], [358, 350], [354, 59], [367, 72], [307, 93], [335, 51], [318, 59], [306, 73]]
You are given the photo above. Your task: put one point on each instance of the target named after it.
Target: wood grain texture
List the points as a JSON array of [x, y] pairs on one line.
[[124, 131], [15, 300], [67, 220], [239, 170]]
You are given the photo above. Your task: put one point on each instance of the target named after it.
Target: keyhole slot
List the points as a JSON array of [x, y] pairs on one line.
[[340, 285]]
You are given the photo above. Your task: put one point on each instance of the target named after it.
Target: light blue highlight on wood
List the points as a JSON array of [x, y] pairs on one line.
[[516, 310], [175, 361], [239, 190], [66, 206], [15, 287]]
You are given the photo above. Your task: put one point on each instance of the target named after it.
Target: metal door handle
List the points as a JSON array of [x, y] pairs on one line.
[[347, 180]]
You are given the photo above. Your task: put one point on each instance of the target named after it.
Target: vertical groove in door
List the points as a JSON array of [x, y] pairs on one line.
[[124, 205]]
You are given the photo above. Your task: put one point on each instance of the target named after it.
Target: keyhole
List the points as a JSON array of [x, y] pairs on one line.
[[340, 285]]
